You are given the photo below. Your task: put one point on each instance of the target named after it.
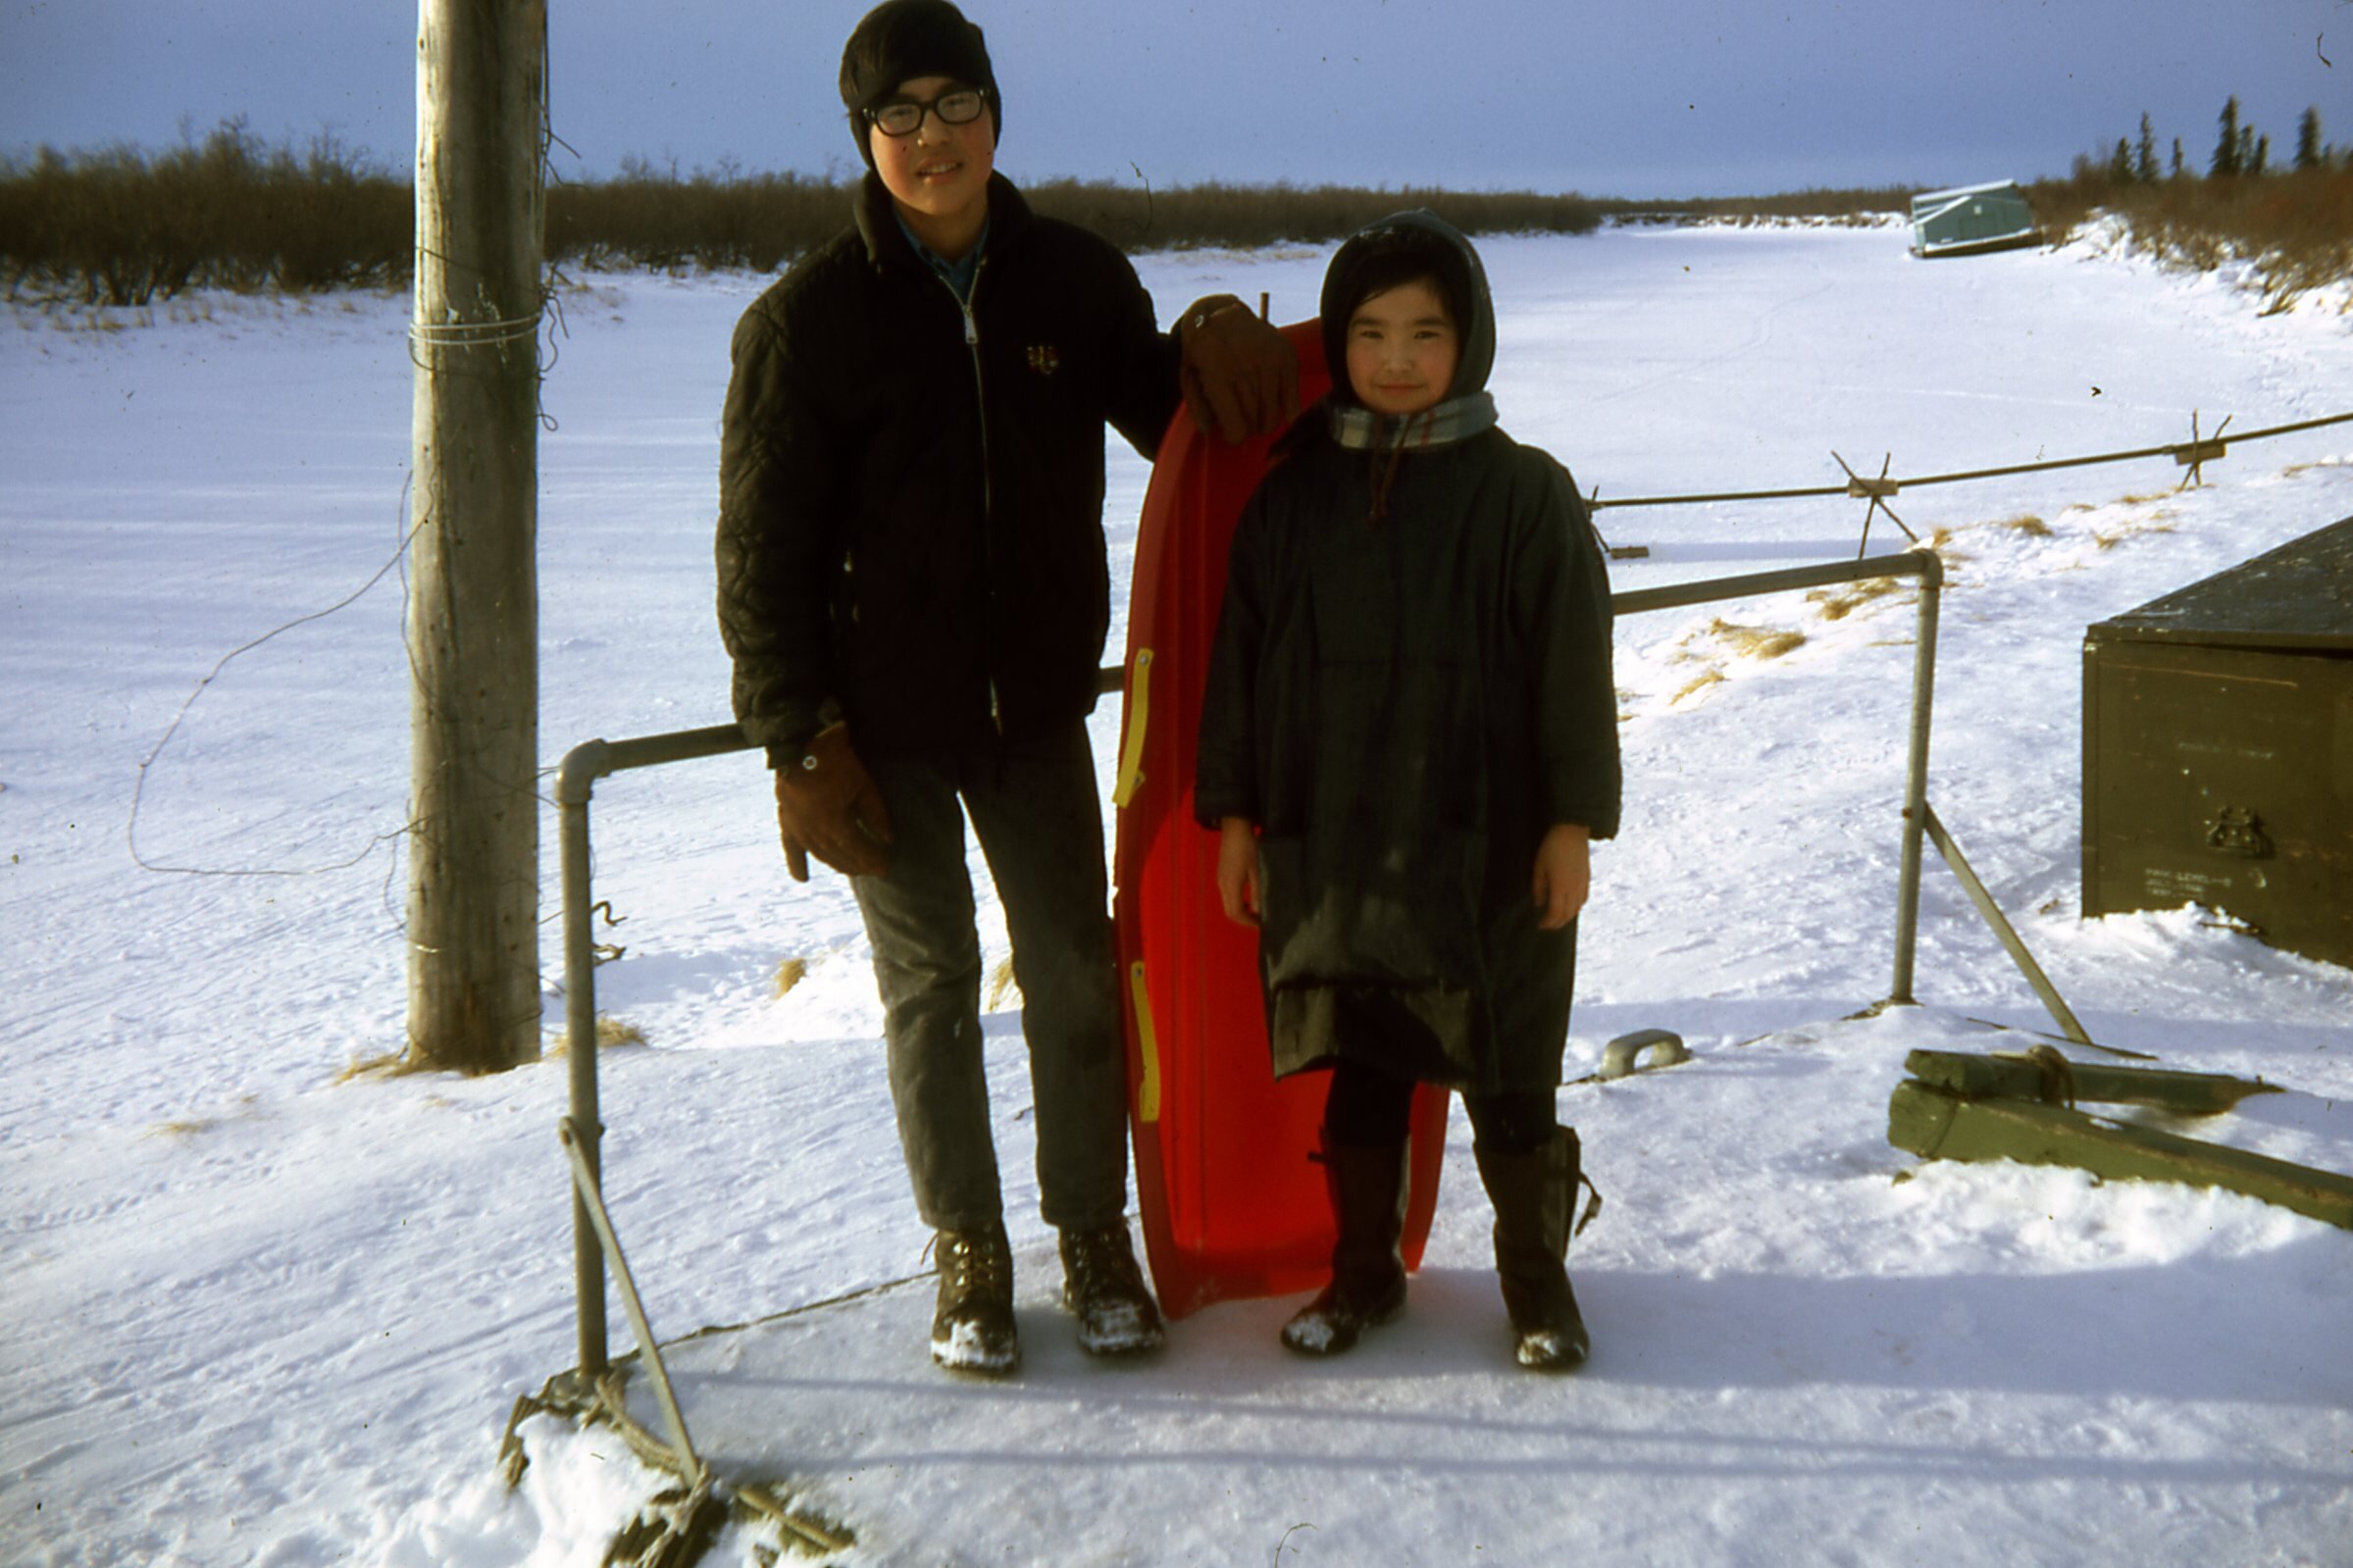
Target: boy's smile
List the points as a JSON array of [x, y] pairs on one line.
[[1402, 350], [937, 173]]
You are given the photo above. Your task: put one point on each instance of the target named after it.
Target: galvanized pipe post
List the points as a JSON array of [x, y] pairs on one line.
[[1915, 776], [1923, 564], [574, 782]]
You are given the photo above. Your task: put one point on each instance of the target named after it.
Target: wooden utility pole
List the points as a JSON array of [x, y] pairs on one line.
[[473, 624]]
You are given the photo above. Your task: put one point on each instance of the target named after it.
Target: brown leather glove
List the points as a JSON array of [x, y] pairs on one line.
[[827, 806], [1239, 375]]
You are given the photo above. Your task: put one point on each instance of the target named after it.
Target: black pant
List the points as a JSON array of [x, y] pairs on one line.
[[1366, 1106], [1034, 807]]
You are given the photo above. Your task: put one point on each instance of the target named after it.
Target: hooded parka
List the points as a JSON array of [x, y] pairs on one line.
[[1405, 703]]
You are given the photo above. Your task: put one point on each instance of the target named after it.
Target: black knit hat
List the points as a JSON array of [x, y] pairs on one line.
[[902, 39]]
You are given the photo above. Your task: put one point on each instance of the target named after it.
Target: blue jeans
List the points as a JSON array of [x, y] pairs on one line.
[[1034, 807]]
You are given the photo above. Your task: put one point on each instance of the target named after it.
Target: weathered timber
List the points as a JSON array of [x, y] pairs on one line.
[[1939, 1124], [472, 617], [2022, 1078]]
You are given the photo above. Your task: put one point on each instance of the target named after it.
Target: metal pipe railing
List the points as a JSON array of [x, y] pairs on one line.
[[575, 783], [1920, 564], [592, 760], [1920, 817]]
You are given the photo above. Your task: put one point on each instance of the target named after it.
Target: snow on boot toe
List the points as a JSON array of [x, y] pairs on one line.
[[1339, 1316], [1103, 1288], [968, 1345], [1549, 1351], [972, 1325], [1123, 1327]]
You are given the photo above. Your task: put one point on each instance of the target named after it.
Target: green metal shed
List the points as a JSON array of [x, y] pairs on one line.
[[1971, 219], [2218, 748]]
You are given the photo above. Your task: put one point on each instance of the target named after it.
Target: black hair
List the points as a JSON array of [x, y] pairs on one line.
[[1393, 268], [1390, 253], [902, 40]]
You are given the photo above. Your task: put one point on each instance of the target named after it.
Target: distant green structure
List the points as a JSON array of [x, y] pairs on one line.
[[1971, 219]]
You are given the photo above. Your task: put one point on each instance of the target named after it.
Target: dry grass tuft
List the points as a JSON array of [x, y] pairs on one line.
[[2028, 524], [190, 1126], [1758, 641], [1002, 983], [391, 1063], [788, 973], [612, 1034], [1709, 678], [187, 1126], [2131, 531], [1836, 604], [1940, 541]]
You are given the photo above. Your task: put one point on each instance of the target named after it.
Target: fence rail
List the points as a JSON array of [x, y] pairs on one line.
[[594, 1238], [2190, 454]]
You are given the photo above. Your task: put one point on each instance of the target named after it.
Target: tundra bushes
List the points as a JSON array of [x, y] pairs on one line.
[[121, 226], [2291, 220], [117, 226], [2295, 229]]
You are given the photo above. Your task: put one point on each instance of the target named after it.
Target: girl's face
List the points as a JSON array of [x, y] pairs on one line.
[[1401, 349]]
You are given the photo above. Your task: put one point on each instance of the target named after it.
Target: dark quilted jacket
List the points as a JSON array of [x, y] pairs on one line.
[[910, 492]]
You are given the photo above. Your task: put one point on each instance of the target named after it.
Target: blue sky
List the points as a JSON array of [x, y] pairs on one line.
[[1612, 97]]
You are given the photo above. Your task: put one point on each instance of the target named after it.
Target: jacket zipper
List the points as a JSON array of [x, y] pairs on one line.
[[979, 398]]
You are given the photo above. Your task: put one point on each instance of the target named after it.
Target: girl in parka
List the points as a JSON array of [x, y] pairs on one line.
[[1408, 741]]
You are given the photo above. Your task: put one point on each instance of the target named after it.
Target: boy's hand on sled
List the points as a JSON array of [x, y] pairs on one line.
[[1240, 377], [1564, 875], [827, 806], [1238, 871]]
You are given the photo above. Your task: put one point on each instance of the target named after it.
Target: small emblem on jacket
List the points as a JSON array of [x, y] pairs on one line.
[[1045, 358]]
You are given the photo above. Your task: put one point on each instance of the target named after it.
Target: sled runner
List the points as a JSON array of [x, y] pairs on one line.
[[1232, 1201]]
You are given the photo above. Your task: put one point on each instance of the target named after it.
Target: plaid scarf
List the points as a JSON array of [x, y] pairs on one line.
[[1362, 430]]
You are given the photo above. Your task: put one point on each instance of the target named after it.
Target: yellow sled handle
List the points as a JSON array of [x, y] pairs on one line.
[[1131, 755], [1148, 1046]]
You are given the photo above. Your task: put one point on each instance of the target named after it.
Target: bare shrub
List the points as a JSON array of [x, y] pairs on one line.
[[2294, 227], [1250, 217], [116, 227]]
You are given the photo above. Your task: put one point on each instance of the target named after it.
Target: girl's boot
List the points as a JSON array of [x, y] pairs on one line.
[[1367, 1185], [1535, 1199]]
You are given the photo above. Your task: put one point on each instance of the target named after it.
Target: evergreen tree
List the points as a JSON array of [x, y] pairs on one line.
[[2225, 145], [2178, 166], [2308, 140], [2259, 158], [2144, 154], [2119, 163]]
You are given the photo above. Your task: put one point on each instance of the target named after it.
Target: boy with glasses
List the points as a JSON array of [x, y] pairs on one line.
[[913, 587]]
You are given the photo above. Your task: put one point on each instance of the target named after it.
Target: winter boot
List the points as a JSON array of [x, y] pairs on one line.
[[1534, 1197], [1368, 1276], [972, 1325], [1104, 1290]]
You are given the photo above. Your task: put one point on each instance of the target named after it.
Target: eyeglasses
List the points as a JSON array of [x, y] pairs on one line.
[[903, 117]]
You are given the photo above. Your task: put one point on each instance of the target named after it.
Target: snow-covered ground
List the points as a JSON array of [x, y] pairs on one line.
[[259, 1315]]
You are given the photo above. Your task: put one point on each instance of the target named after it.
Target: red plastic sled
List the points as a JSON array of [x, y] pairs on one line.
[[1232, 1204]]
